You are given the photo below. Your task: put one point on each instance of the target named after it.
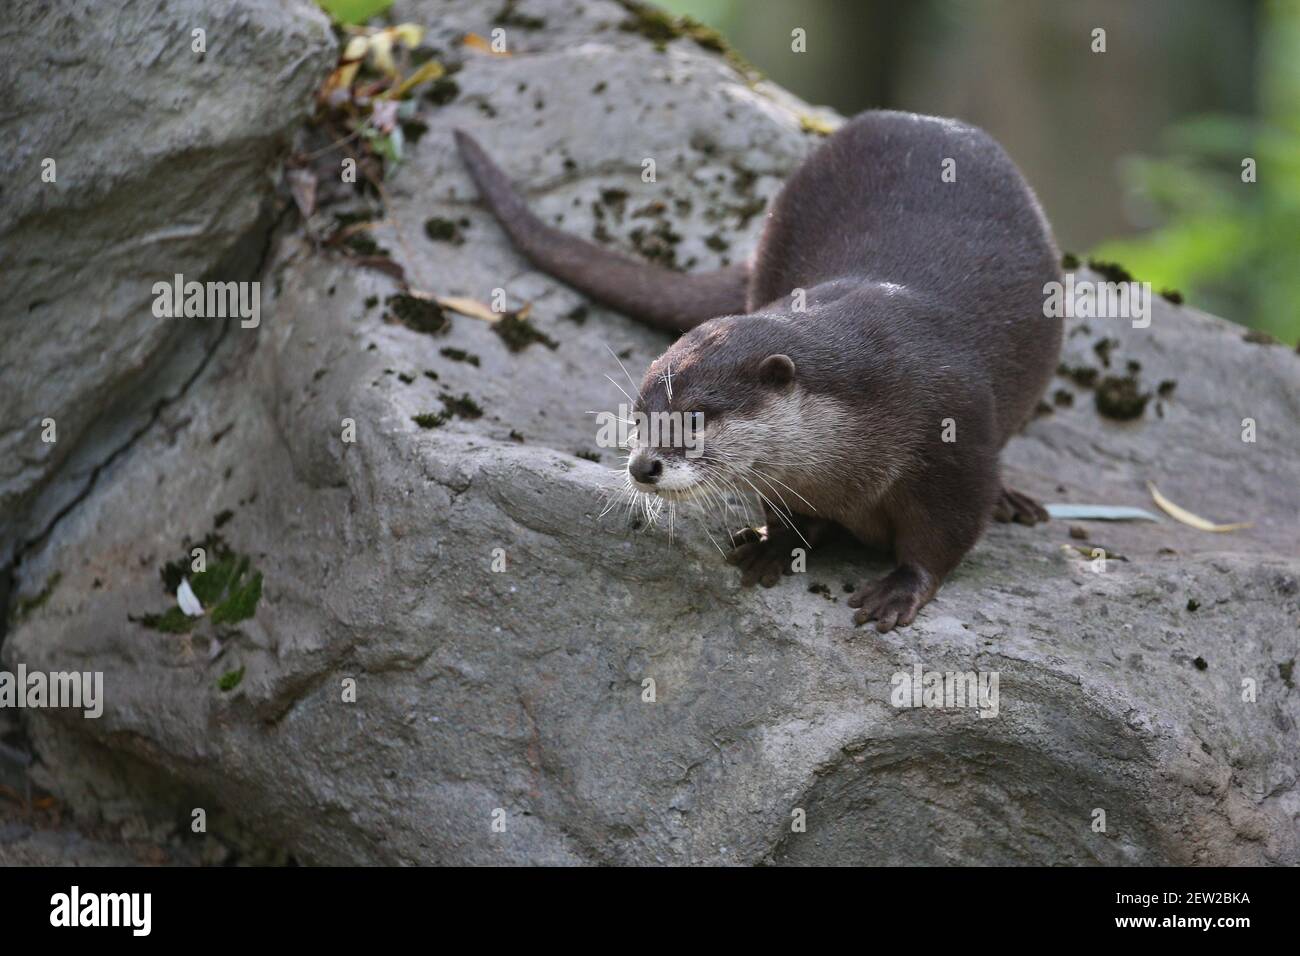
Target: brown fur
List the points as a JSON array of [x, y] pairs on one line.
[[924, 303]]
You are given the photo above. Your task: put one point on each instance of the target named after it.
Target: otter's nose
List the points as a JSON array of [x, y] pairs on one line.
[[645, 469]]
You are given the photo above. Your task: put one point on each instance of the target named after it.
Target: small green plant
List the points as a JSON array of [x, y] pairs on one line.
[[1228, 193], [354, 11], [229, 589]]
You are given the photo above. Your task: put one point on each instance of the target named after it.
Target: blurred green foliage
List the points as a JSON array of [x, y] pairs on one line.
[[1232, 247], [354, 11]]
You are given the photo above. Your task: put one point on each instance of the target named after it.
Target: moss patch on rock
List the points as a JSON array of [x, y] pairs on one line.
[[518, 333], [420, 315], [228, 587]]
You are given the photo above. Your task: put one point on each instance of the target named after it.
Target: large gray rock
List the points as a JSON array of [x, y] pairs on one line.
[[164, 161], [518, 695]]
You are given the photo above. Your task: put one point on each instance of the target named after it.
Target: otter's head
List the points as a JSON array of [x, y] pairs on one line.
[[725, 399]]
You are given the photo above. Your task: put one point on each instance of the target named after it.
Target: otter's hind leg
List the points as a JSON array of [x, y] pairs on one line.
[[675, 301]]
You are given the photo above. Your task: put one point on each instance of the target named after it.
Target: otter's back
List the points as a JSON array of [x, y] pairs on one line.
[[873, 202]]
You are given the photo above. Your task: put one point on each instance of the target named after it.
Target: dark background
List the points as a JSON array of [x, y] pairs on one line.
[[1135, 152]]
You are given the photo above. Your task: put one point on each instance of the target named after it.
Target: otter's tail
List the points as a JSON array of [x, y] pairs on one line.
[[668, 300]]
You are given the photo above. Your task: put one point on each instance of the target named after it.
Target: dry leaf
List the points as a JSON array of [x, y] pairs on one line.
[[479, 310], [1189, 519], [302, 184], [430, 71], [476, 42]]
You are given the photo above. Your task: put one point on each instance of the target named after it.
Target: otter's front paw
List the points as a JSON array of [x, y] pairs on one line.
[[893, 600], [761, 558]]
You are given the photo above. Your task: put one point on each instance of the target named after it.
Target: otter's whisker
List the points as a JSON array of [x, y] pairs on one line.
[[789, 520], [625, 372], [621, 389], [769, 479]]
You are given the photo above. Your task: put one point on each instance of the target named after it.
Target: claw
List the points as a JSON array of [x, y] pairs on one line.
[[1022, 509], [893, 601]]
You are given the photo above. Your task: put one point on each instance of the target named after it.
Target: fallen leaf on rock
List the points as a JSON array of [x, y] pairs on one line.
[[302, 184], [480, 310], [1189, 519], [476, 42]]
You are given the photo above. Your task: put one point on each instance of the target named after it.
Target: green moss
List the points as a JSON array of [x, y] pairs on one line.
[[230, 680], [228, 587], [1121, 398], [613, 197], [462, 407], [431, 419], [171, 621], [413, 129], [578, 314], [241, 601], [509, 16], [1069, 262], [452, 406], [1103, 348], [1258, 337], [1112, 271], [519, 333], [363, 245], [442, 91], [25, 606], [1082, 375], [748, 211], [658, 244], [445, 230], [661, 28], [460, 355], [421, 315]]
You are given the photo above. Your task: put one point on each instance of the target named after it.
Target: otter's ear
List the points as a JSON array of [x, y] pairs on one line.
[[776, 370]]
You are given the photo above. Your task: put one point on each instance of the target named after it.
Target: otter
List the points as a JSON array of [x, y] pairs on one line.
[[865, 368]]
